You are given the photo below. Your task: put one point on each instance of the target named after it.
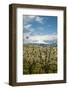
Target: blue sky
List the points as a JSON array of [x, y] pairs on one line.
[[40, 29]]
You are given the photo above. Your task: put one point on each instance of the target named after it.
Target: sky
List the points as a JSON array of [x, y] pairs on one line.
[[40, 29]]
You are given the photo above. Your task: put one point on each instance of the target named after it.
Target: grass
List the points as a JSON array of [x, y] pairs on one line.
[[39, 59]]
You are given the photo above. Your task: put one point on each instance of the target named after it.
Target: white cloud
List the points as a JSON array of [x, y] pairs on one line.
[[39, 19], [27, 26], [31, 17], [43, 37], [28, 19], [40, 38], [39, 41]]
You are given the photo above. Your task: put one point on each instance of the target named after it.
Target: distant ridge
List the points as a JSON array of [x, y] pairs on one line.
[[40, 44]]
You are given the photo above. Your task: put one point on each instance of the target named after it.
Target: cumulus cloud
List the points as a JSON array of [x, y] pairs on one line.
[[27, 26], [41, 38], [39, 19], [28, 19]]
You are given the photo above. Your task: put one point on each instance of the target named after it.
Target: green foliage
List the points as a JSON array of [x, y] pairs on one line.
[[26, 67], [36, 68], [38, 59]]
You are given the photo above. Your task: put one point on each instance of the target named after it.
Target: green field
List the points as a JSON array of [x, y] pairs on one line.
[[39, 59]]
